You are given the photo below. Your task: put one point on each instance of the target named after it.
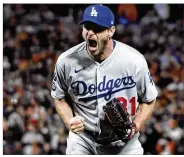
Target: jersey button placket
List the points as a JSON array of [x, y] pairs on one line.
[[98, 77], [100, 99]]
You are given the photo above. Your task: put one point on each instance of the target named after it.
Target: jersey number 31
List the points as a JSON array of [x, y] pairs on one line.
[[126, 102]]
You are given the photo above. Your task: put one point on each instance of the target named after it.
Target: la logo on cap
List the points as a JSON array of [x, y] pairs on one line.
[[94, 12]]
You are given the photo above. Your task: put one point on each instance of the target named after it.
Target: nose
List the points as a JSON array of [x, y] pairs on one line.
[[90, 33]]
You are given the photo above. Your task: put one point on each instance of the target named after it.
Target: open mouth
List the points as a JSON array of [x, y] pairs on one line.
[[92, 43]]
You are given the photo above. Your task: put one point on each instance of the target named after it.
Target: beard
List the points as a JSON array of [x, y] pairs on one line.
[[102, 47], [103, 51]]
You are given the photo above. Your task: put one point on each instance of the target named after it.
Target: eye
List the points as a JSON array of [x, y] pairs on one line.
[[99, 29], [86, 26], [94, 27]]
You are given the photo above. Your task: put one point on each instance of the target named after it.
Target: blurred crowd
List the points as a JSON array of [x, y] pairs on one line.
[[32, 41]]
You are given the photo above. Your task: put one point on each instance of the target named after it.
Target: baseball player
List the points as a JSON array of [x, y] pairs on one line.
[[92, 74]]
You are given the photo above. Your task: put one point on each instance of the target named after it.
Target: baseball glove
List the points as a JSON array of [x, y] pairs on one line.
[[120, 120]]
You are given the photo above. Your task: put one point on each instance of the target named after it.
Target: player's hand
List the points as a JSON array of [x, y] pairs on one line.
[[76, 124]]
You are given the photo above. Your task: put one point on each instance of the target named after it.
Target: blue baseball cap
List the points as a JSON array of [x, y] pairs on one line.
[[98, 14]]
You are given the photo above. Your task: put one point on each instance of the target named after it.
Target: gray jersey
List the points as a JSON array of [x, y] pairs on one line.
[[124, 74]]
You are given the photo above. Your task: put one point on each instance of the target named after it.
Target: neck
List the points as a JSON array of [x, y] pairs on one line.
[[105, 52]]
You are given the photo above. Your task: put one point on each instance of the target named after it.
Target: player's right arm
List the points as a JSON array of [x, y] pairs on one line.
[[75, 124], [58, 92]]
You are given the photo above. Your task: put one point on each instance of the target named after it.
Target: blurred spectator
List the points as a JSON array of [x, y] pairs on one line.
[[32, 140], [174, 131], [150, 17], [14, 115], [7, 134], [165, 147], [163, 10], [18, 148], [58, 142], [47, 149], [172, 136], [127, 13]]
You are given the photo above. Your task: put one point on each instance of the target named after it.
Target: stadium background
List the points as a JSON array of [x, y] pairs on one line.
[[35, 35]]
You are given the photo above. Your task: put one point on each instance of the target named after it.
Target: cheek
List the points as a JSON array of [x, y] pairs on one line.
[[103, 39], [104, 36], [84, 34]]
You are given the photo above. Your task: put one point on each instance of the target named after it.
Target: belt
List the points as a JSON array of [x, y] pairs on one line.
[[102, 140]]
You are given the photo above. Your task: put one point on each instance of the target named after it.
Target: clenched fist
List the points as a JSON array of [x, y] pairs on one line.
[[76, 124]]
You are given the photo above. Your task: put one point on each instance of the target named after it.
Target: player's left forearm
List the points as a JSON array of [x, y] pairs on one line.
[[143, 113]]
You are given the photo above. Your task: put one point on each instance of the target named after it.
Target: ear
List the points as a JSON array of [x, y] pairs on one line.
[[111, 31]]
